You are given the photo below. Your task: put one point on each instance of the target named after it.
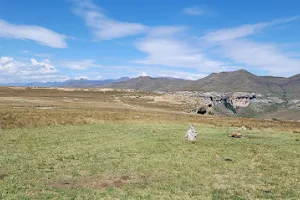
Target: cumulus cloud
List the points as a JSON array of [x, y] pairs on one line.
[[43, 67], [103, 27], [38, 34], [12, 70], [144, 74]]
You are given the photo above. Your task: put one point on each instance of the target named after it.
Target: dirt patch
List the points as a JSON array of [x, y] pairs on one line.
[[63, 184], [116, 182], [98, 182], [2, 176]]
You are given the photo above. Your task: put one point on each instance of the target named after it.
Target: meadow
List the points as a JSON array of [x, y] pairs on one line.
[[58, 144]]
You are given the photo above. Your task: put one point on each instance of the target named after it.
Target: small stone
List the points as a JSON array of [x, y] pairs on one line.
[[191, 134], [236, 135]]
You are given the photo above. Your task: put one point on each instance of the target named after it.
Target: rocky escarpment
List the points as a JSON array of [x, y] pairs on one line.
[[236, 103]]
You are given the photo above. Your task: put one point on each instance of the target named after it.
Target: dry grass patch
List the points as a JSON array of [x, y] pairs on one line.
[[100, 182]]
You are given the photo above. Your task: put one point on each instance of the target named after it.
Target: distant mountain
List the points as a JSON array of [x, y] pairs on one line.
[[235, 81], [81, 83], [146, 83], [292, 87], [46, 84], [238, 81]]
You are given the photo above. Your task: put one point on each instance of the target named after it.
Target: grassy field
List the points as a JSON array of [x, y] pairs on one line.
[[147, 161], [119, 145]]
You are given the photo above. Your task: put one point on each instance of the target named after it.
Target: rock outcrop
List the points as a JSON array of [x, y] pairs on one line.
[[235, 104]]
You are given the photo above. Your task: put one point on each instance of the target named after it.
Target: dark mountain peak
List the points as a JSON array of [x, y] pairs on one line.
[[125, 78], [295, 77], [145, 78], [240, 72]]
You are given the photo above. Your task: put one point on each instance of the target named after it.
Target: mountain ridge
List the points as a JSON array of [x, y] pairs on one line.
[[234, 81]]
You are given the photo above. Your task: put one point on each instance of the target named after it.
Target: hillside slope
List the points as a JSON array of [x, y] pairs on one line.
[[146, 83], [236, 81]]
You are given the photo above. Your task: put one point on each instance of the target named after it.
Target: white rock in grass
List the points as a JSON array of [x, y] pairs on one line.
[[191, 134]]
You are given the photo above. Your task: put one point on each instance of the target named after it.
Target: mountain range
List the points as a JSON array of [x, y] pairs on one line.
[[80, 83], [236, 81], [236, 93]]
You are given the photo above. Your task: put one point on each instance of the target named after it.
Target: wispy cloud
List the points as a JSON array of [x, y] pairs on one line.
[[197, 10], [43, 55], [159, 43], [167, 48], [182, 74], [243, 31], [79, 64], [174, 53], [38, 34], [148, 70], [268, 57], [103, 27], [235, 44]]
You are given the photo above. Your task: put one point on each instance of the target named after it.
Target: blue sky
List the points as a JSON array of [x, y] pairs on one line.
[[70, 39]]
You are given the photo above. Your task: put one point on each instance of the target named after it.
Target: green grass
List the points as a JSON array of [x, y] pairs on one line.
[[147, 161]]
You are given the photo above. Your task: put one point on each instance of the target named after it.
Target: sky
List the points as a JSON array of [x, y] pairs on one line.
[[58, 40]]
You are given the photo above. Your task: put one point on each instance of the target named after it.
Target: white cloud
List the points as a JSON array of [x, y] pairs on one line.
[[242, 31], [81, 78], [175, 53], [12, 70], [267, 57], [25, 51], [165, 31], [44, 67], [38, 34], [103, 27], [79, 64], [182, 74], [234, 33], [196, 10], [99, 77], [232, 43], [43, 55], [162, 72], [144, 74]]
